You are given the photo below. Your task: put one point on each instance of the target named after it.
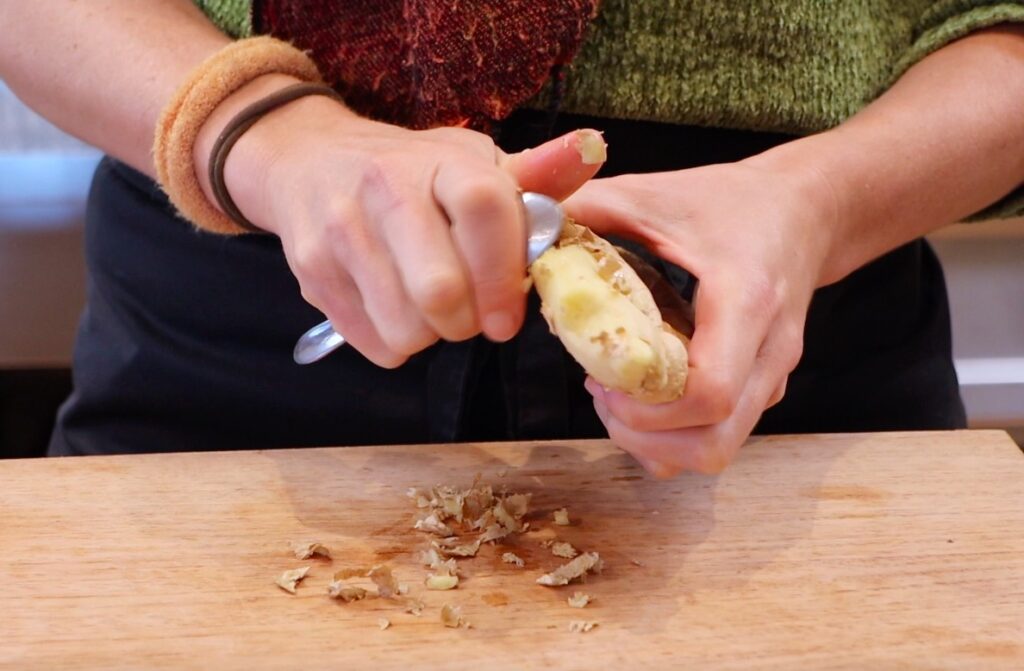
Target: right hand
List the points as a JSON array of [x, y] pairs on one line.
[[757, 233], [400, 237]]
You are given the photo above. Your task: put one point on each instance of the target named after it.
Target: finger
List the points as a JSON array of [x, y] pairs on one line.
[[434, 276], [662, 454], [652, 467], [489, 233], [642, 416], [560, 166], [607, 209], [780, 355], [732, 321], [705, 449], [327, 286], [391, 311], [343, 306], [778, 394], [369, 263], [638, 415], [721, 357], [668, 453]]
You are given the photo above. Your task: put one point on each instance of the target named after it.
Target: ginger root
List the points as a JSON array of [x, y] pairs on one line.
[[607, 319]]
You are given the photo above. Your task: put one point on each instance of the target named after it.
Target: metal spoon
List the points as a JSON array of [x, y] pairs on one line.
[[544, 222]]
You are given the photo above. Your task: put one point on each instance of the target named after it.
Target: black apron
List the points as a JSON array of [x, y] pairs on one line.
[[186, 339]]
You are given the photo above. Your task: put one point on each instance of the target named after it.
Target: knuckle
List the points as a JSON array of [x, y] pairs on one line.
[[310, 263], [791, 355], [778, 394], [462, 327], [711, 459], [384, 351], [363, 338], [623, 411], [616, 440], [710, 465], [665, 471], [407, 341], [793, 346], [498, 295], [440, 293], [481, 196], [389, 360], [631, 413], [496, 289], [342, 211], [783, 350], [478, 143], [340, 216], [719, 399], [620, 437], [484, 144], [313, 297], [661, 456], [341, 313]]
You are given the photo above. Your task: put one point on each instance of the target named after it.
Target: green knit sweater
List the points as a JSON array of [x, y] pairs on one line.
[[797, 66]]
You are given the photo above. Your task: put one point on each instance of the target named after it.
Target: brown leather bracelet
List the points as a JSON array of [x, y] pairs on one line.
[[235, 128]]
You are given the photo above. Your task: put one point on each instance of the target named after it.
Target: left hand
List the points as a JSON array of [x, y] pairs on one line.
[[757, 237]]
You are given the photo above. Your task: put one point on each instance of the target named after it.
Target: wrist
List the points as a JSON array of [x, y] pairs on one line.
[[257, 144], [819, 194], [255, 90], [270, 155]]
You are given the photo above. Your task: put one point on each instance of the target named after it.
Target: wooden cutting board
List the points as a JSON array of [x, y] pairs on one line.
[[872, 551]]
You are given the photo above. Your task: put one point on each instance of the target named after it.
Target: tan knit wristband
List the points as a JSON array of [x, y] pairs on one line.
[[208, 85]]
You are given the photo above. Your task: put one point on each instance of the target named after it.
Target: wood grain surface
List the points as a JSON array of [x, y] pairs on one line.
[[871, 551]]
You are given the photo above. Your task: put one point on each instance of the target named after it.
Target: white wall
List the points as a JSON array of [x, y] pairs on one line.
[[44, 176], [984, 266]]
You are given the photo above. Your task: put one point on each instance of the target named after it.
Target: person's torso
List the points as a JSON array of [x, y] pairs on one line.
[[775, 65]]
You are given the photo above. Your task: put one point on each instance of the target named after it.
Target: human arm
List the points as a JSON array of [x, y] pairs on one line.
[[943, 142], [103, 69], [400, 237]]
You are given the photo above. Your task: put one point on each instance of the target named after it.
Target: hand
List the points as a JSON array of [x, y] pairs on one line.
[[756, 237], [400, 237]]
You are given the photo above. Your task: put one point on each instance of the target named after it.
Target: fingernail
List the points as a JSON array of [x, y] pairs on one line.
[[592, 386], [499, 326]]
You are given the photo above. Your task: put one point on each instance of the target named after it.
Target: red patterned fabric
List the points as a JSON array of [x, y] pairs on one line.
[[427, 63]]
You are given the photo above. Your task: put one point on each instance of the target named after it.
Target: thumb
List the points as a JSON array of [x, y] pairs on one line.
[[559, 166]]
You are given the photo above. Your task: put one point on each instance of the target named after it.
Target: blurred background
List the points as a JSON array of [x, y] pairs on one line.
[[44, 180]]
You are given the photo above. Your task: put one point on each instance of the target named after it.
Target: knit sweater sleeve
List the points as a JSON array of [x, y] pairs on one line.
[[801, 66], [949, 20], [234, 17]]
